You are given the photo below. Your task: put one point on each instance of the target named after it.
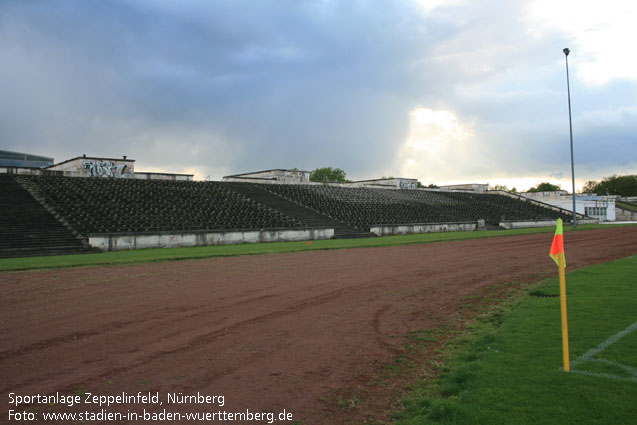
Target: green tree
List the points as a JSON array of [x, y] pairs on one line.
[[615, 185], [589, 187], [545, 187], [505, 188], [431, 186], [328, 175]]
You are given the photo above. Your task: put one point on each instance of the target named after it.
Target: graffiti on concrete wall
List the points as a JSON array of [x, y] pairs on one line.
[[407, 184], [100, 168]]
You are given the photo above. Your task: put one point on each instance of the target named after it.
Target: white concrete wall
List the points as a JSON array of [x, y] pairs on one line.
[[526, 224], [471, 187], [145, 175], [269, 180], [279, 175], [406, 229], [542, 223], [116, 242], [546, 196], [612, 211], [625, 215], [388, 183]]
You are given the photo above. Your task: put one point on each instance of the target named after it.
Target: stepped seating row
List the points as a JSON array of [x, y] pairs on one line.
[[626, 205], [362, 208], [490, 207], [100, 205], [27, 228], [358, 207]]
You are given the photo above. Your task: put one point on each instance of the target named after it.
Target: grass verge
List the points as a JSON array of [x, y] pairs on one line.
[[165, 254], [511, 373]]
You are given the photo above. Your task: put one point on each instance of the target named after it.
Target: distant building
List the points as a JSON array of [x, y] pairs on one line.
[[271, 176], [303, 177], [471, 187], [386, 183], [595, 206], [89, 166], [10, 159], [80, 166]]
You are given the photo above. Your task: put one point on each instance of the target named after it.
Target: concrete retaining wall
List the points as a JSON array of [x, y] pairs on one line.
[[144, 175], [526, 224], [116, 242], [540, 223], [625, 215], [587, 221], [405, 229]]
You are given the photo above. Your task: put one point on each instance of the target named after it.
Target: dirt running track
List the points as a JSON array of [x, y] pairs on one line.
[[268, 332]]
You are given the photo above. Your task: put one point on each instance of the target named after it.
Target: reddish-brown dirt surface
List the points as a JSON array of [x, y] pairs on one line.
[[309, 332]]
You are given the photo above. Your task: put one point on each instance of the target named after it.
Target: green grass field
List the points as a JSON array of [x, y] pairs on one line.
[[165, 254], [511, 373]]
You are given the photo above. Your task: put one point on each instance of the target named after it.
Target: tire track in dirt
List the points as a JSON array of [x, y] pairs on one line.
[[133, 357], [271, 331]]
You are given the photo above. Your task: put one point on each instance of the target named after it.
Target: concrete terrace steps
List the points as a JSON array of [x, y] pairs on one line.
[[301, 213], [105, 206], [27, 228], [395, 194]]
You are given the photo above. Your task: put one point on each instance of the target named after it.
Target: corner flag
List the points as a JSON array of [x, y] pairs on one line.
[[557, 254], [557, 247]]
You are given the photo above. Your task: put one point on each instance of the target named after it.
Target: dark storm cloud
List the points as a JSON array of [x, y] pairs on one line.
[[287, 83], [233, 86]]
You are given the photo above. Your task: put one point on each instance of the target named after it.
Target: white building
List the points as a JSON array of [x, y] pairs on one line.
[[271, 176], [386, 183], [80, 166], [595, 206], [470, 187]]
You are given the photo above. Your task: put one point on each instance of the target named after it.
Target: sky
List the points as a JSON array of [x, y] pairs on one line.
[[446, 92]]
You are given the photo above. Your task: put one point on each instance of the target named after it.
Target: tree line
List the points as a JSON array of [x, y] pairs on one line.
[[614, 185]]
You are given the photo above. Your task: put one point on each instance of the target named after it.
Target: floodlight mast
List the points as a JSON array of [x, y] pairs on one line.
[[570, 126]]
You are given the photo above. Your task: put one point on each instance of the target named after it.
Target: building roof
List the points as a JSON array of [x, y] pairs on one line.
[[386, 178], [265, 171], [157, 173], [24, 156], [23, 160], [91, 157], [464, 184]]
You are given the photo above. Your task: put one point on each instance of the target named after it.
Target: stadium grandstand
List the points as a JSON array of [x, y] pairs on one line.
[[74, 207]]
